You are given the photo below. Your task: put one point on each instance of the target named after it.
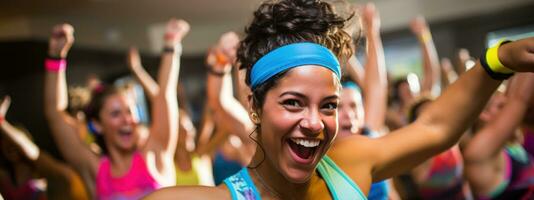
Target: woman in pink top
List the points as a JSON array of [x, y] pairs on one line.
[[128, 170]]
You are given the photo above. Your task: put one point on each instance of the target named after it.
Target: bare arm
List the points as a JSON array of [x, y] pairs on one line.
[[219, 137], [353, 67], [44, 164], [191, 192], [229, 114], [164, 129], [210, 138], [375, 81], [491, 139], [16, 136], [68, 183], [207, 128], [431, 74], [439, 126], [242, 90], [443, 122], [134, 63], [228, 45], [355, 71], [63, 126]]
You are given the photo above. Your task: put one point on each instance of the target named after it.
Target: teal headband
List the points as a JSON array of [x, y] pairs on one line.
[[351, 85], [291, 56]]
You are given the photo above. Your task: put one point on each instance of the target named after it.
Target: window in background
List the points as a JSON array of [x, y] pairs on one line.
[[403, 57]]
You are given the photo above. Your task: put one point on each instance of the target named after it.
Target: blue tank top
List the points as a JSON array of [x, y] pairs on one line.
[[341, 187], [379, 191]]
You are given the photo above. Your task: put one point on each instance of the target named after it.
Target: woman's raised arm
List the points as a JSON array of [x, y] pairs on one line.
[[64, 128], [164, 129]]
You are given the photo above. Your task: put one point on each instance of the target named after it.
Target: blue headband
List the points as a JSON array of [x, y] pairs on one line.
[[291, 56], [351, 85]]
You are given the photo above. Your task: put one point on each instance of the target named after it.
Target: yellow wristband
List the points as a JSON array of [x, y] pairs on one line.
[[425, 37], [492, 58]]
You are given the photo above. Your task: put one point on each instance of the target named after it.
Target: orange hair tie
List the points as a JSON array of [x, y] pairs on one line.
[[221, 58]]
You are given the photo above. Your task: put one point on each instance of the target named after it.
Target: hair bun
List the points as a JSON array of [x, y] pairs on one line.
[[280, 22], [288, 16]]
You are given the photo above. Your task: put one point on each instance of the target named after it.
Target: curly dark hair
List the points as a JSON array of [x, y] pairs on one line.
[[282, 22]]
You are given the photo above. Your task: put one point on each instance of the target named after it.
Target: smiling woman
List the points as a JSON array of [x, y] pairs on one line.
[[291, 52], [126, 170], [298, 121]]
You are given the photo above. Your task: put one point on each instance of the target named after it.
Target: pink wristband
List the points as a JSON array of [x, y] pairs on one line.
[[53, 65]]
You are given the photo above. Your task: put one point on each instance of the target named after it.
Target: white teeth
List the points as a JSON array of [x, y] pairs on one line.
[[305, 142]]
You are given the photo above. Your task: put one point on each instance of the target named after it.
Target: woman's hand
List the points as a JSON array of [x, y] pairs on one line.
[[370, 18], [518, 55], [60, 41], [221, 56], [419, 26], [228, 44], [175, 32]]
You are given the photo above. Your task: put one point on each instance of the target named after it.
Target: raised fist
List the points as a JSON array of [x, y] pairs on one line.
[[61, 40], [370, 17], [228, 44], [419, 26], [175, 31]]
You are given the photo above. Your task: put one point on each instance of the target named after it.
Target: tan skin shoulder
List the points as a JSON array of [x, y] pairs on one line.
[[359, 169], [191, 193]]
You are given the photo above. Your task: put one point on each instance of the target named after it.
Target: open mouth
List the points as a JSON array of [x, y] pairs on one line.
[[303, 150], [125, 132]]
